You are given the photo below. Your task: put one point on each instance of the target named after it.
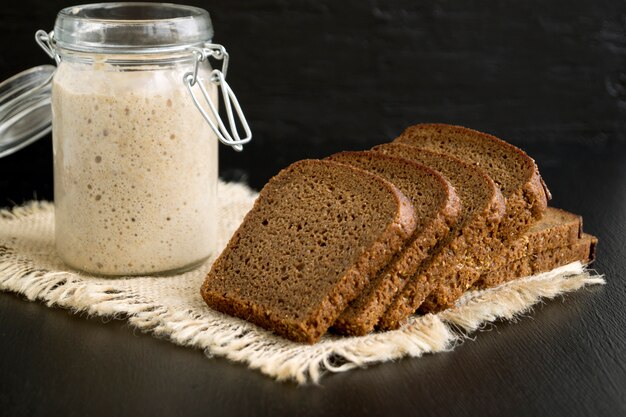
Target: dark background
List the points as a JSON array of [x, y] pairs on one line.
[[315, 77]]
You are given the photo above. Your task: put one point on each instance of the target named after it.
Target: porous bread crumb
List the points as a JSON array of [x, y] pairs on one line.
[[316, 234], [437, 207]]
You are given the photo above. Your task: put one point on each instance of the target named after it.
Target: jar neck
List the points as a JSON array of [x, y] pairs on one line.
[[163, 58]]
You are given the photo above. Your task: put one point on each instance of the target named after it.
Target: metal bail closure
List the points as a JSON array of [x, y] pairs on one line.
[[231, 103], [46, 42]]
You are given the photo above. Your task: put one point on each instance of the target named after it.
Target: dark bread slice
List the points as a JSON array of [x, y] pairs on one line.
[[437, 208], [457, 261], [316, 234], [556, 228], [583, 250], [512, 169]]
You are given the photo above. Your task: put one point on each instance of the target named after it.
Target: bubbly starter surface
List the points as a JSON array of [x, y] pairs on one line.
[[135, 171]]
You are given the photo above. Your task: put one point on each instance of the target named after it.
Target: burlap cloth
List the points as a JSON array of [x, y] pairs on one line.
[[171, 307]]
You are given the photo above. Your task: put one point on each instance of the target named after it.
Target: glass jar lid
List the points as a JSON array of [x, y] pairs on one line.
[[128, 28], [25, 113]]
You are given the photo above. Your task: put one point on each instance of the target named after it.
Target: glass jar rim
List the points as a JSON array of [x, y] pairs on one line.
[[131, 28]]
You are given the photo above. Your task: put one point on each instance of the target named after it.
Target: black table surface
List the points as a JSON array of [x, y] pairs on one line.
[[316, 77], [567, 357]]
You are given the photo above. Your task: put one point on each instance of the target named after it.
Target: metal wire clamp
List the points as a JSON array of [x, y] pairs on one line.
[[231, 103], [46, 41]]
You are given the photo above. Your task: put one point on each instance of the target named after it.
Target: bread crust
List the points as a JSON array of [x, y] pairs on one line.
[[525, 202]]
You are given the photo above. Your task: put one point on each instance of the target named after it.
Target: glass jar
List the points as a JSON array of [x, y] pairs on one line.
[[135, 167]]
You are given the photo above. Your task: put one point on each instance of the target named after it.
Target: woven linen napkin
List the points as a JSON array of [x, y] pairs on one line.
[[171, 306]]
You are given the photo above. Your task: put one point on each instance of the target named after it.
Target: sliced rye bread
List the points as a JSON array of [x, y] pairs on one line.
[[556, 228], [511, 168], [457, 261], [583, 250], [437, 207], [316, 234]]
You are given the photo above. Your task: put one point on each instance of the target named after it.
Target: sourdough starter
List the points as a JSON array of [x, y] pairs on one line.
[[135, 171]]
